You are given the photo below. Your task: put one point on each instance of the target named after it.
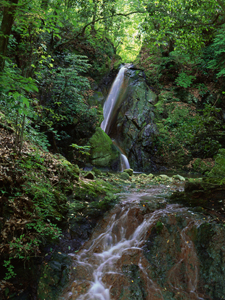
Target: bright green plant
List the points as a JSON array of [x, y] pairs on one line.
[[65, 88], [15, 100], [184, 80], [10, 270], [189, 131], [218, 171]]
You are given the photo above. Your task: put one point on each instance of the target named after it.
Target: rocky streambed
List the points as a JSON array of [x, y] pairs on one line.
[[146, 247]]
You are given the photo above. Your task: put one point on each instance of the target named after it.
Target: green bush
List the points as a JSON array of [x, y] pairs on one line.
[[218, 171], [184, 80]]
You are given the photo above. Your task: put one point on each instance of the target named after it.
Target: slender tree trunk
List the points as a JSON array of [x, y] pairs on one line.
[[6, 26], [94, 18], [22, 135]]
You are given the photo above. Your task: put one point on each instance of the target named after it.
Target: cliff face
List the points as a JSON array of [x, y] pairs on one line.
[[134, 128]]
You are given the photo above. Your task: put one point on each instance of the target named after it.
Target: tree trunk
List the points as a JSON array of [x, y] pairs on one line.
[[6, 26], [94, 18]]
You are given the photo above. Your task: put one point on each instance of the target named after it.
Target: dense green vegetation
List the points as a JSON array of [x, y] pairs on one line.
[[53, 57]]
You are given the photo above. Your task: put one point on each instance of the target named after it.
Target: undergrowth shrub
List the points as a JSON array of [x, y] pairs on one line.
[[186, 130], [218, 171]]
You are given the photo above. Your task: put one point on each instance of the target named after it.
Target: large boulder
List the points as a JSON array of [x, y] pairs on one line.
[[134, 129], [103, 153]]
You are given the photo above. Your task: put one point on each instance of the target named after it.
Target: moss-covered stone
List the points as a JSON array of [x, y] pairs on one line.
[[129, 171], [124, 176], [103, 152], [203, 193], [54, 276], [178, 177]]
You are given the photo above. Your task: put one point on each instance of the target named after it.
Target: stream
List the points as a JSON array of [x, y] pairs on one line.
[[142, 249]]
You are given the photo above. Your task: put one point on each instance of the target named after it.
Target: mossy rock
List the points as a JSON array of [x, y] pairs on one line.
[[54, 276], [164, 177], [103, 152], [178, 177], [151, 176], [124, 176], [129, 171]]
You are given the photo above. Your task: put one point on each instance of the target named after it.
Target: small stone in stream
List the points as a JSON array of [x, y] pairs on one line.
[[178, 177], [164, 177], [89, 175], [129, 171], [143, 175], [124, 176]]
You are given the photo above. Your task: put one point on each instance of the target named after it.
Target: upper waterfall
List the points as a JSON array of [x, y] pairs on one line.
[[113, 101]]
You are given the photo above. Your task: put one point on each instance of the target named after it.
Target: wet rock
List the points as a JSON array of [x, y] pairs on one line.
[[129, 171], [151, 176], [164, 177], [210, 244], [178, 177], [204, 193], [184, 256], [125, 176], [54, 276], [134, 129]]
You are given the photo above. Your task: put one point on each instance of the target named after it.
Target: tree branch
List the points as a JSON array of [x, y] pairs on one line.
[[97, 20]]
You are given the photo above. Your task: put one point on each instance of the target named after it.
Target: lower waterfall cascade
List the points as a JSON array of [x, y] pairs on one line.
[[120, 245]]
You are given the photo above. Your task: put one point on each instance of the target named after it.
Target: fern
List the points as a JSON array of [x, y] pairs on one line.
[[218, 48]]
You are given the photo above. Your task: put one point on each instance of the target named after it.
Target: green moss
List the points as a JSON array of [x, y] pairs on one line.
[[103, 152], [124, 176], [129, 171]]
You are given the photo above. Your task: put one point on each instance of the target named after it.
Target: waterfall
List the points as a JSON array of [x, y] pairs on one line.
[[111, 106], [113, 101], [124, 162]]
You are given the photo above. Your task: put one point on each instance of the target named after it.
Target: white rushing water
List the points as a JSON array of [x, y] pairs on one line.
[[126, 229], [110, 105]]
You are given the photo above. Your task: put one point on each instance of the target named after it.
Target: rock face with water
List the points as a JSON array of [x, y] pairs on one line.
[[146, 249], [134, 129]]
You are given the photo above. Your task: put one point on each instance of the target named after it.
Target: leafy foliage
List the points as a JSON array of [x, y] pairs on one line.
[[63, 90], [186, 132], [218, 171], [217, 61], [184, 80], [180, 25]]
